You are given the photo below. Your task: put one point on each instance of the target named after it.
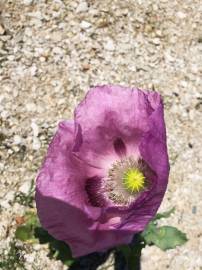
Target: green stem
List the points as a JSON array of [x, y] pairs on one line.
[[132, 253], [134, 260]]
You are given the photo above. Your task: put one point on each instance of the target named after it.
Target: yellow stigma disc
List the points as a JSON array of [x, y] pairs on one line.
[[134, 180]]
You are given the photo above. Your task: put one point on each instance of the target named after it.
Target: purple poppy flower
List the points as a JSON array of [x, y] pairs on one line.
[[106, 172]]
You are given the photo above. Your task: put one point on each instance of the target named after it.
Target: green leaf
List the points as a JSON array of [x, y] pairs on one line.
[[24, 233], [165, 237], [149, 232], [164, 214], [31, 218]]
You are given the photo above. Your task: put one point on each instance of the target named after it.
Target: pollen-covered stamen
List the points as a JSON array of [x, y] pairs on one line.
[[134, 180], [126, 180]]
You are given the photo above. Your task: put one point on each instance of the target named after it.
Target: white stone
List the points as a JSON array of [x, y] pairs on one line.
[[2, 30], [5, 204], [183, 84], [33, 70], [1, 166], [10, 151], [36, 143], [17, 139], [29, 258], [109, 45], [36, 247], [36, 14], [42, 59], [2, 97], [28, 2], [181, 15], [156, 41], [85, 25], [82, 7], [4, 114], [30, 107], [158, 33], [35, 129], [58, 50], [10, 196], [28, 32], [25, 188], [169, 57]]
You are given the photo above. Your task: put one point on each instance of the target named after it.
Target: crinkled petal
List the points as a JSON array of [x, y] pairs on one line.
[[59, 175], [108, 114]]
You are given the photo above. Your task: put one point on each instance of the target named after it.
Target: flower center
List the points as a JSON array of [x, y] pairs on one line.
[[125, 181], [134, 180]]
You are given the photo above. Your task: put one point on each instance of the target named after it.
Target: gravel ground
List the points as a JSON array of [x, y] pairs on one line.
[[51, 51]]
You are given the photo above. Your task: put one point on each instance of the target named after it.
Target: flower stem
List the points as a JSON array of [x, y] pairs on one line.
[[134, 260], [132, 253]]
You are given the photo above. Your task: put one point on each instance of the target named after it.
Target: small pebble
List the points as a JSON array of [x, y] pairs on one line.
[[30, 107], [35, 129], [109, 45], [29, 258], [28, 2], [17, 139], [85, 25], [2, 30], [181, 15], [36, 144], [156, 41], [82, 7], [25, 187]]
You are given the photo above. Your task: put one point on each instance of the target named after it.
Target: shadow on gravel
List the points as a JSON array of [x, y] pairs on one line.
[[90, 262], [120, 263], [94, 260]]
